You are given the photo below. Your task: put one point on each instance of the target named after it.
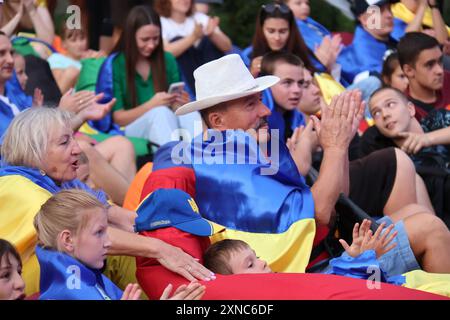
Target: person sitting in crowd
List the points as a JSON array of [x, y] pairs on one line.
[[420, 57], [392, 73], [26, 15], [231, 256], [241, 108], [419, 15], [66, 67], [72, 233], [428, 145], [12, 286], [317, 38], [142, 72], [364, 56], [39, 163], [203, 6], [192, 37]]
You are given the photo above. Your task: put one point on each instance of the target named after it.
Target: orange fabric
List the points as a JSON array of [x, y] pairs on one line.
[[57, 44], [133, 196]]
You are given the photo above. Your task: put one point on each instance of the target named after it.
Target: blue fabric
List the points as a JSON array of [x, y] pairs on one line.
[[358, 267], [364, 54], [105, 85], [282, 198], [401, 258], [399, 29], [45, 182], [312, 32], [15, 94], [363, 267], [49, 46], [249, 201], [65, 278], [276, 120]]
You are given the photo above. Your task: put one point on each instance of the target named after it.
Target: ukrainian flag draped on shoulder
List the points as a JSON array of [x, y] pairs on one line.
[[253, 193], [22, 193]]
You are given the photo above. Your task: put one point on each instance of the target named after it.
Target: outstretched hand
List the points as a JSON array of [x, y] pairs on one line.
[[414, 142], [363, 239], [131, 292], [193, 291], [176, 260]]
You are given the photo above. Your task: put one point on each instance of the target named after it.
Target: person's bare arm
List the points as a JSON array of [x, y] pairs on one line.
[[125, 117], [173, 258], [335, 133], [66, 78], [13, 23], [220, 39], [439, 26], [416, 24], [104, 175], [178, 47], [43, 32], [414, 142]]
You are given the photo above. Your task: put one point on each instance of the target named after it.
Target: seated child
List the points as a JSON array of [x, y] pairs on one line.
[[393, 74], [236, 257], [12, 286], [72, 248]]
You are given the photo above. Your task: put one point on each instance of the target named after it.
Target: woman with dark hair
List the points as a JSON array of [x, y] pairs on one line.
[[192, 37], [276, 30], [142, 73]]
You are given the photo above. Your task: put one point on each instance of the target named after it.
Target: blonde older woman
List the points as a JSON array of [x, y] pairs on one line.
[[40, 158]]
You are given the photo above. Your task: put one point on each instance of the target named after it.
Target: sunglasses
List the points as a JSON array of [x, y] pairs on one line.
[[272, 7]]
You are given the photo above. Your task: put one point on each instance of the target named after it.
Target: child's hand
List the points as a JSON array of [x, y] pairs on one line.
[[132, 292], [379, 243], [364, 240], [193, 291]]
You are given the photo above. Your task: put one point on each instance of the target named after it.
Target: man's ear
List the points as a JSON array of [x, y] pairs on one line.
[[411, 109], [216, 120], [65, 241], [409, 71], [363, 19]]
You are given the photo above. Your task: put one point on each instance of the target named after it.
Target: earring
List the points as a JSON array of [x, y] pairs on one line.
[[42, 172]]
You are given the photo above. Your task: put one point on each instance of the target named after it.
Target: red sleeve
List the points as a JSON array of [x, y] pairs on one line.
[[172, 178]]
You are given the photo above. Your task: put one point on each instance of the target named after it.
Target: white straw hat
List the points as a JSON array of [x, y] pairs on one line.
[[224, 79]]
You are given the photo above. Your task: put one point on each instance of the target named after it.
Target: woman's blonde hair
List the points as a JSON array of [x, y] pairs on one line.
[[63, 211], [26, 140]]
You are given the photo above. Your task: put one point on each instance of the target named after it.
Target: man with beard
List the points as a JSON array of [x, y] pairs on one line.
[[277, 213]]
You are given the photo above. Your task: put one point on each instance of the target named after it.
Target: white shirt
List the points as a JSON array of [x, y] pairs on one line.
[[13, 107], [172, 29]]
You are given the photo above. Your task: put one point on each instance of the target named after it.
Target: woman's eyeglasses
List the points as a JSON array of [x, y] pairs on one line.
[[272, 7]]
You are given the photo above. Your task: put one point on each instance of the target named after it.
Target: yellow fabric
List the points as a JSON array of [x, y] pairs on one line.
[[87, 129], [328, 86], [284, 252], [400, 11], [20, 200], [430, 282]]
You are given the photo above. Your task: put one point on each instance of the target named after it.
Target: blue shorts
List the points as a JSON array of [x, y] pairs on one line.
[[401, 258]]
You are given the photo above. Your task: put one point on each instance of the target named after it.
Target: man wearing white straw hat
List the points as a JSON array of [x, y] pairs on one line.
[[277, 214]]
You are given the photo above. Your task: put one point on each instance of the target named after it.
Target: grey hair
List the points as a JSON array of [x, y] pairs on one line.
[[26, 139]]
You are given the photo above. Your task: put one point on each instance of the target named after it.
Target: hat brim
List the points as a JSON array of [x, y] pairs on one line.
[[200, 227], [262, 84]]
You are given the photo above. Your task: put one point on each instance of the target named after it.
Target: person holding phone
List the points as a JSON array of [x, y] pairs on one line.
[[142, 74]]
